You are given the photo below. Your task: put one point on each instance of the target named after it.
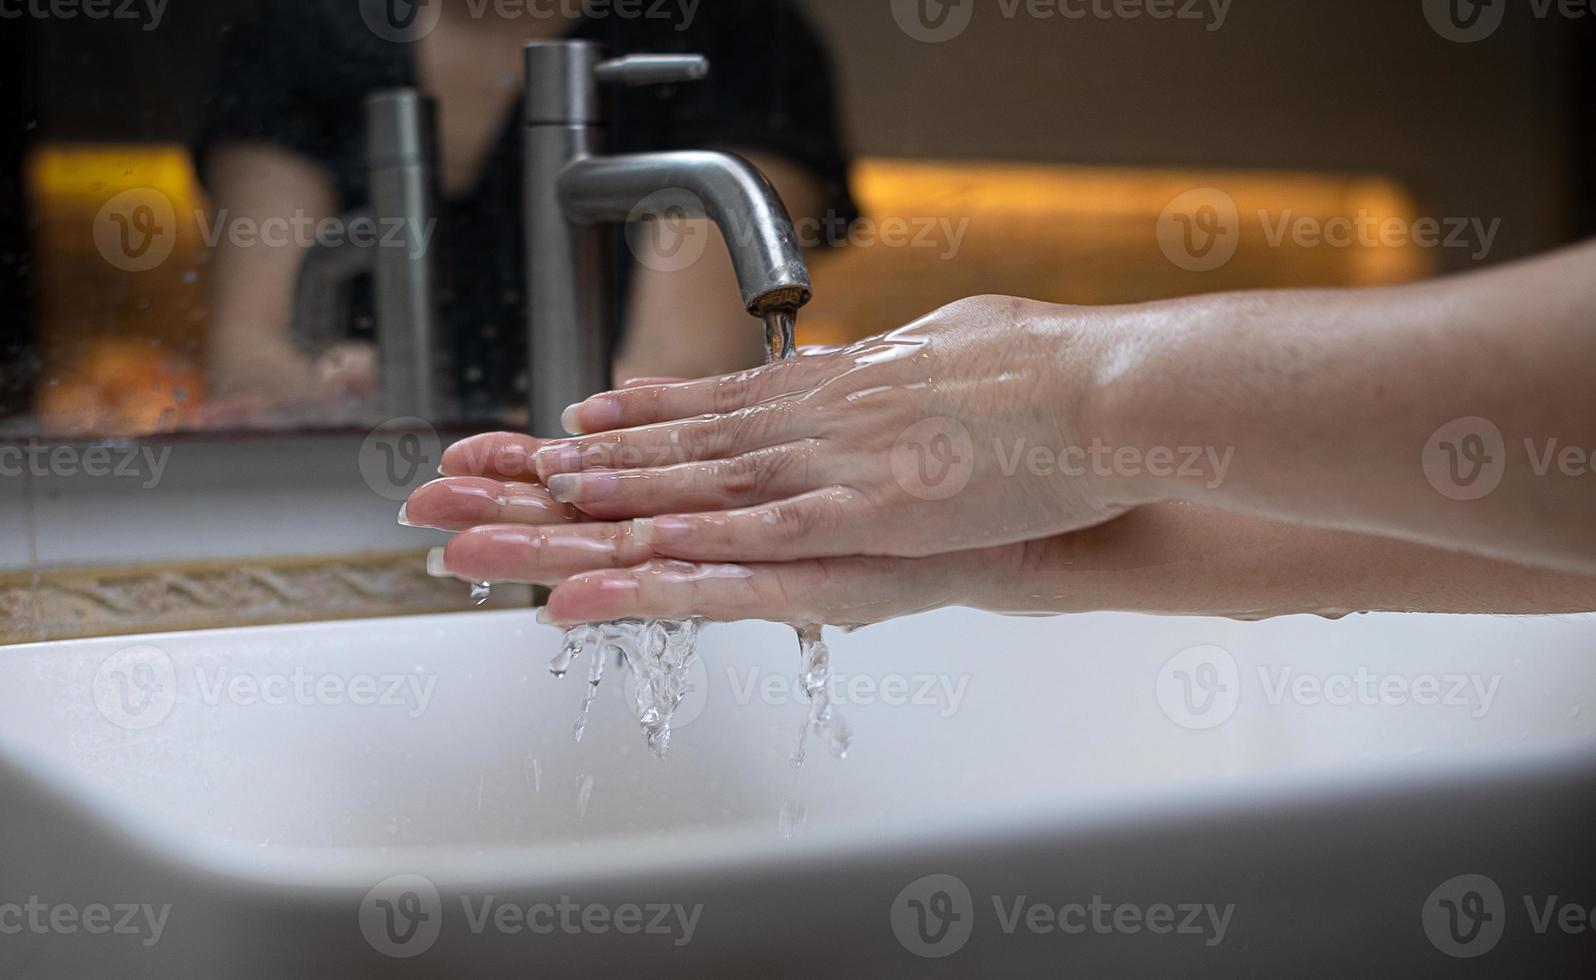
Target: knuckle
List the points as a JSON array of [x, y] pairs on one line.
[[728, 395]]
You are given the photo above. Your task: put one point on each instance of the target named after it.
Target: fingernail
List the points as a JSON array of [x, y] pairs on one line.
[[436, 566], [583, 488], [544, 619], [551, 460], [643, 530], [598, 414], [404, 517]]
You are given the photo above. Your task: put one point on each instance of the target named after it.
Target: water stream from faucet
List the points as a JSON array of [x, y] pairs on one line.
[[659, 654]]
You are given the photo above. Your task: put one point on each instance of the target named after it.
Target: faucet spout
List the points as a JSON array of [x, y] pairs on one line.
[[722, 187]]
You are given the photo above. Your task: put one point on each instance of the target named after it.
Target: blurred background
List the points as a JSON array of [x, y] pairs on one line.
[[1052, 158]]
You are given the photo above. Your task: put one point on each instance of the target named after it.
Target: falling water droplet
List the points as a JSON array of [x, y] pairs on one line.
[[814, 681], [584, 793], [791, 819], [480, 591], [595, 677]]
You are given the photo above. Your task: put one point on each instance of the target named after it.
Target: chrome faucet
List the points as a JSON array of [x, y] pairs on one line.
[[391, 239], [573, 190]]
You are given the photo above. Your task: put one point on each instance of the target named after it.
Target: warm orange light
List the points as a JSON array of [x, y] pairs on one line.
[[122, 346], [1084, 235]]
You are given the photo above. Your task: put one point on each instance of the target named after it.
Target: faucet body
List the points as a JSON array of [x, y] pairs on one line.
[[573, 191], [392, 240]]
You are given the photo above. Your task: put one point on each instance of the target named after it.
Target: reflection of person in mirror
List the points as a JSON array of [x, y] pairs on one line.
[[283, 148]]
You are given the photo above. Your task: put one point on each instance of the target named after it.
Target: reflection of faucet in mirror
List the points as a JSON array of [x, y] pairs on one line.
[[391, 240], [572, 191]]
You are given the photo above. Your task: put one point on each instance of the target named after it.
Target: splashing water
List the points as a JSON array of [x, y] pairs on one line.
[[658, 653], [815, 682]]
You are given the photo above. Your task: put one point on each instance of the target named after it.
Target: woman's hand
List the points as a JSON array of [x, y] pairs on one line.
[[919, 442], [1174, 559]]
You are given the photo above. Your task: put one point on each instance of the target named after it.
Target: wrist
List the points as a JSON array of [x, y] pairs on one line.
[[1131, 423]]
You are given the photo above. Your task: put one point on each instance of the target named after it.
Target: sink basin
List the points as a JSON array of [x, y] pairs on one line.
[[1091, 795]]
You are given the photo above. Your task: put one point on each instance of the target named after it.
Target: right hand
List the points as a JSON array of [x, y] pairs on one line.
[[911, 444]]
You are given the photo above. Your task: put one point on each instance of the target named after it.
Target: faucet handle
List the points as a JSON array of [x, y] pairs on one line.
[[652, 69]]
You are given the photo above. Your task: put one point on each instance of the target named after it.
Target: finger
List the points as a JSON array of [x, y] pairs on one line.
[[775, 473], [636, 405], [819, 524], [497, 455], [458, 503], [841, 591], [670, 443], [540, 555]]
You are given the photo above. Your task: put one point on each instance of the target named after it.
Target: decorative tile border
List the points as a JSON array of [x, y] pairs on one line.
[[59, 604]]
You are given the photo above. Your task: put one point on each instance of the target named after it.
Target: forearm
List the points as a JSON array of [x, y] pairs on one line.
[[1324, 404], [1185, 560]]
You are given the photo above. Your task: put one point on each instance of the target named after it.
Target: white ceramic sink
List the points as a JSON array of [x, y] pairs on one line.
[[1326, 783]]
